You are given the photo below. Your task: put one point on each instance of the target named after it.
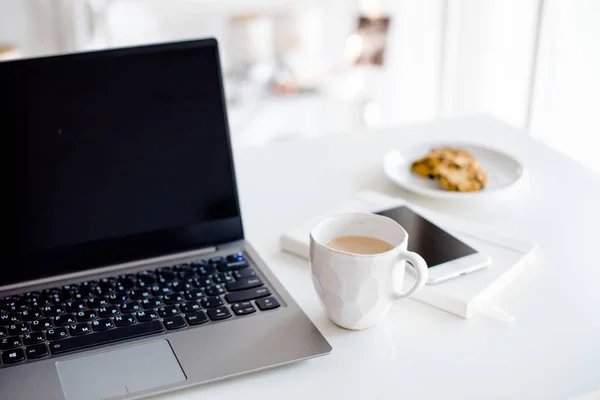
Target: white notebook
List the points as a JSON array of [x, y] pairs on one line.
[[463, 296]]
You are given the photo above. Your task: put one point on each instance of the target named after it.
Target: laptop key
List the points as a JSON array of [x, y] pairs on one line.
[[124, 320], [70, 288], [130, 306], [205, 270], [147, 277], [9, 319], [53, 311], [244, 283], [10, 342], [13, 356], [202, 282], [110, 336], [226, 267], [117, 298], [75, 306], [7, 299], [168, 311], [248, 294], [3, 333], [97, 302], [38, 303], [107, 283], [199, 263], [186, 274], [139, 294], [31, 314], [160, 289], [40, 299], [86, 291], [268, 303], [179, 286], [196, 318], [33, 338], [87, 315], [19, 305], [147, 315], [18, 329], [77, 295], [37, 351], [243, 273], [243, 308], [215, 260], [214, 290], [182, 267], [64, 320], [193, 294], [211, 302], [172, 298], [98, 291], [222, 278], [152, 302], [219, 313], [64, 295], [166, 274], [102, 325], [50, 291], [55, 299], [110, 311], [122, 289], [41, 324], [235, 257], [172, 323], [126, 282], [190, 307], [56, 334], [79, 329]]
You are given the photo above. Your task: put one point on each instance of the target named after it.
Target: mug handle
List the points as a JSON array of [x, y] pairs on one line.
[[422, 273]]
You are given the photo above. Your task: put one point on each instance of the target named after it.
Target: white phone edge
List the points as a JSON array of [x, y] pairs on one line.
[[458, 267]]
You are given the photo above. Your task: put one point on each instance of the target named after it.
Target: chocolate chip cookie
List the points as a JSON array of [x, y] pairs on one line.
[[454, 169]]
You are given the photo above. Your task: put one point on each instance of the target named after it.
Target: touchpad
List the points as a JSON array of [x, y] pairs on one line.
[[119, 372]]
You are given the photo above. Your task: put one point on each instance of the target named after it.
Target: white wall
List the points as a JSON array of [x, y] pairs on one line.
[[567, 90], [406, 89], [444, 57], [28, 25], [489, 57]]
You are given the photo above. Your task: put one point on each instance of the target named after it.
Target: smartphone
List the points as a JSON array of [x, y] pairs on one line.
[[447, 257]]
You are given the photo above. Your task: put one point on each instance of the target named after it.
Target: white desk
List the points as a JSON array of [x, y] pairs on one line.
[[552, 351]]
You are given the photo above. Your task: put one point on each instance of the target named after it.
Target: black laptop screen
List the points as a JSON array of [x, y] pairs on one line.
[[113, 156]]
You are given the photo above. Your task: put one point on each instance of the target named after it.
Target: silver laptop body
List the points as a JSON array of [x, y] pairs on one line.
[[125, 299]]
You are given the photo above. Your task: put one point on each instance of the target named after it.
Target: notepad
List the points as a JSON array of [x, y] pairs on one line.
[[464, 296]]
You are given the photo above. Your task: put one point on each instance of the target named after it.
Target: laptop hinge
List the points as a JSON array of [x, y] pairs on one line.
[[103, 270]]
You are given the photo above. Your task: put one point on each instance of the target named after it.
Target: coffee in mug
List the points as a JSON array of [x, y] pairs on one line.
[[357, 262], [359, 244]]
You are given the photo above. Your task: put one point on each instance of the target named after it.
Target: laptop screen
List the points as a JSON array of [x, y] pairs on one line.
[[114, 156]]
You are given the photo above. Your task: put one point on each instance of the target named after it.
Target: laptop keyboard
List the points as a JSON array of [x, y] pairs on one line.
[[55, 321]]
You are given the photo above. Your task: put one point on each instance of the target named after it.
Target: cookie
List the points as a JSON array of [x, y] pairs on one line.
[[426, 167], [454, 169], [464, 179], [457, 157]]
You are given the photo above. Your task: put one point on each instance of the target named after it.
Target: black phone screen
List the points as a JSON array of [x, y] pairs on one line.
[[433, 243]]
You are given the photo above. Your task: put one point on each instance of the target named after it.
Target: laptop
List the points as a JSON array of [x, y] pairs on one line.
[[124, 268]]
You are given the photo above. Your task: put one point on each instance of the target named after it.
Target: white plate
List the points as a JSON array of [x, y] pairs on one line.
[[503, 171]]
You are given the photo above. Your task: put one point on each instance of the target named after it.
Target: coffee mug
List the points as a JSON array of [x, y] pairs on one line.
[[357, 290]]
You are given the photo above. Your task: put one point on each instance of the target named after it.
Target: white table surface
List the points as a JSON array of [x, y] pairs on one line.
[[551, 351]]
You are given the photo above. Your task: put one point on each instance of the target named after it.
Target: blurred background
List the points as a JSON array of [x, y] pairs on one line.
[[303, 68]]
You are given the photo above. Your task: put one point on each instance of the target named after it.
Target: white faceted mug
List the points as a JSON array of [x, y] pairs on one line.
[[357, 290]]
